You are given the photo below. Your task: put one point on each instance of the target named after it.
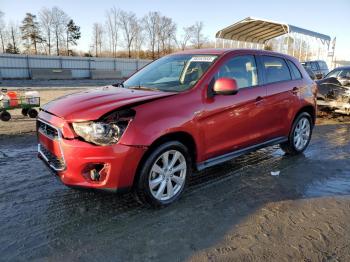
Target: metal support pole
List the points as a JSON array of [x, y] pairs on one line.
[[288, 44], [293, 44], [300, 47], [90, 75], [307, 50]]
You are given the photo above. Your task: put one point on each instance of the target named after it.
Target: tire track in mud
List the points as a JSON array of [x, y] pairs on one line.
[[36, 209]]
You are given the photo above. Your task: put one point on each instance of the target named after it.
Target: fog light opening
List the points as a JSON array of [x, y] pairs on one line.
[[95, 175], [96, 172]]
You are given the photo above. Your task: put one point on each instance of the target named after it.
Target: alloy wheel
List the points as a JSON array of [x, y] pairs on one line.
[[302, 133], [167, 175]]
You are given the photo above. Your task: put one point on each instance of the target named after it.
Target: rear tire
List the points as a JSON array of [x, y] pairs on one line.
[[32, 113], [163, 175], [300, 135], [5, 116]]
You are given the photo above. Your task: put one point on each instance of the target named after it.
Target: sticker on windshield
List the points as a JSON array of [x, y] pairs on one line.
[[207, 59]]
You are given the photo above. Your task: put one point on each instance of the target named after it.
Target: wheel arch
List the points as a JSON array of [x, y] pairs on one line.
[[308, 109], [180, 136]]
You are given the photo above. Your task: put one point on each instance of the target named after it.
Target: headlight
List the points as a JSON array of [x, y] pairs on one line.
[[106, 131], [98, 132]]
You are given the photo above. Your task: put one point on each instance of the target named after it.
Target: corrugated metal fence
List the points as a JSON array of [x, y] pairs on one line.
[[20, 66]]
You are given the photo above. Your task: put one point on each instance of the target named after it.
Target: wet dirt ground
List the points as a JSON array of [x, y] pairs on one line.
[[235, 211]]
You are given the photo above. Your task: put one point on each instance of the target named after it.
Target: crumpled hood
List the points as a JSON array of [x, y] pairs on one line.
[[92, 104]]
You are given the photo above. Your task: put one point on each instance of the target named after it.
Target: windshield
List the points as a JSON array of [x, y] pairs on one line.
[[174, 73], [333, 73]]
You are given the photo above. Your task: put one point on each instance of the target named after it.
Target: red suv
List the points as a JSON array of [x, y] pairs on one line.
[[181, 113]]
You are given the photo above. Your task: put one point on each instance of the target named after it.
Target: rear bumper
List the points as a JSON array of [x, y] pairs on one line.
[[73, 161]]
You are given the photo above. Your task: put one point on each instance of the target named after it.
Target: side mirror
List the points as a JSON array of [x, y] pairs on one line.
[[225, 86]]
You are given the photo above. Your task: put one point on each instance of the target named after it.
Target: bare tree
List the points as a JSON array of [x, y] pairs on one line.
[[129, 26], [97, 35], [139, 38], [2, 32], [166, 32], [112, 24], [185, 37], [198, 38], [46, 24], [59, 22], [151, 25]]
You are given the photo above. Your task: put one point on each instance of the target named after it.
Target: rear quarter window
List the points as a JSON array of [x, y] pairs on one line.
[[294, 70], [276, 69], [323, 65]]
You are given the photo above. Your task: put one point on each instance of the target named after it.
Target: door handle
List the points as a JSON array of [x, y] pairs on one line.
[[295, 90], [258, 100]]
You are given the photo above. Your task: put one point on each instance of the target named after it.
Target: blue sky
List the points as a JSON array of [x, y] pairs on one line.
[[327, 17]]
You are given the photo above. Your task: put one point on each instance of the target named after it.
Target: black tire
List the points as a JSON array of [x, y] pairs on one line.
[[32, 113], [289, 147], [142, 189], [25, 111], [5, 116]]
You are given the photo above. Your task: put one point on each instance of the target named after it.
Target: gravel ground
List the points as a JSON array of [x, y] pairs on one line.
[[236, 211]]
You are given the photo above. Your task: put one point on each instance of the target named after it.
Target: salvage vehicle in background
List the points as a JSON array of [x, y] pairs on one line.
[[182, 113], [310, 73], [342, 74], [318, 67], [334, 91]]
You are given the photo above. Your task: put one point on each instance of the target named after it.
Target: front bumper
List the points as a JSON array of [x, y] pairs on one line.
[[73, 160]]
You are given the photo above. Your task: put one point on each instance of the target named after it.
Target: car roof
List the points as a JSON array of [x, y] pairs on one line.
[[341, 67], [221, 51], [309, 61]]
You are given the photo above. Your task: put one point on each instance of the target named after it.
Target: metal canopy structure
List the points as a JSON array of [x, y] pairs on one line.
[[260, 31], [265, 34]]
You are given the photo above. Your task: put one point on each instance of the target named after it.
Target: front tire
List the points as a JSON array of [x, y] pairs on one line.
[[163, 175], [5, 116], [300, 135]]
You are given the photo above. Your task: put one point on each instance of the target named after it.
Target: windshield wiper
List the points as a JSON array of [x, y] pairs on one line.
[[118, 84], [143, 88]]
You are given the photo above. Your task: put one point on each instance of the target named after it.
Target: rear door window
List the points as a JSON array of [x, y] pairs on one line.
[[295, 71], [276, 69]]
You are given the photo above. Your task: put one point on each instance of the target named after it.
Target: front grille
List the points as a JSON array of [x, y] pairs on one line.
[[47, 130], [55, 162]]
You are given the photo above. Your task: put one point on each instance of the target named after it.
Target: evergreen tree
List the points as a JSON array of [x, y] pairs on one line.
[[73, 34], [31, 32]]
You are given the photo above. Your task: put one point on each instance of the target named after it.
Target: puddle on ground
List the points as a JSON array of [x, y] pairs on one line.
[[339, 185]]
